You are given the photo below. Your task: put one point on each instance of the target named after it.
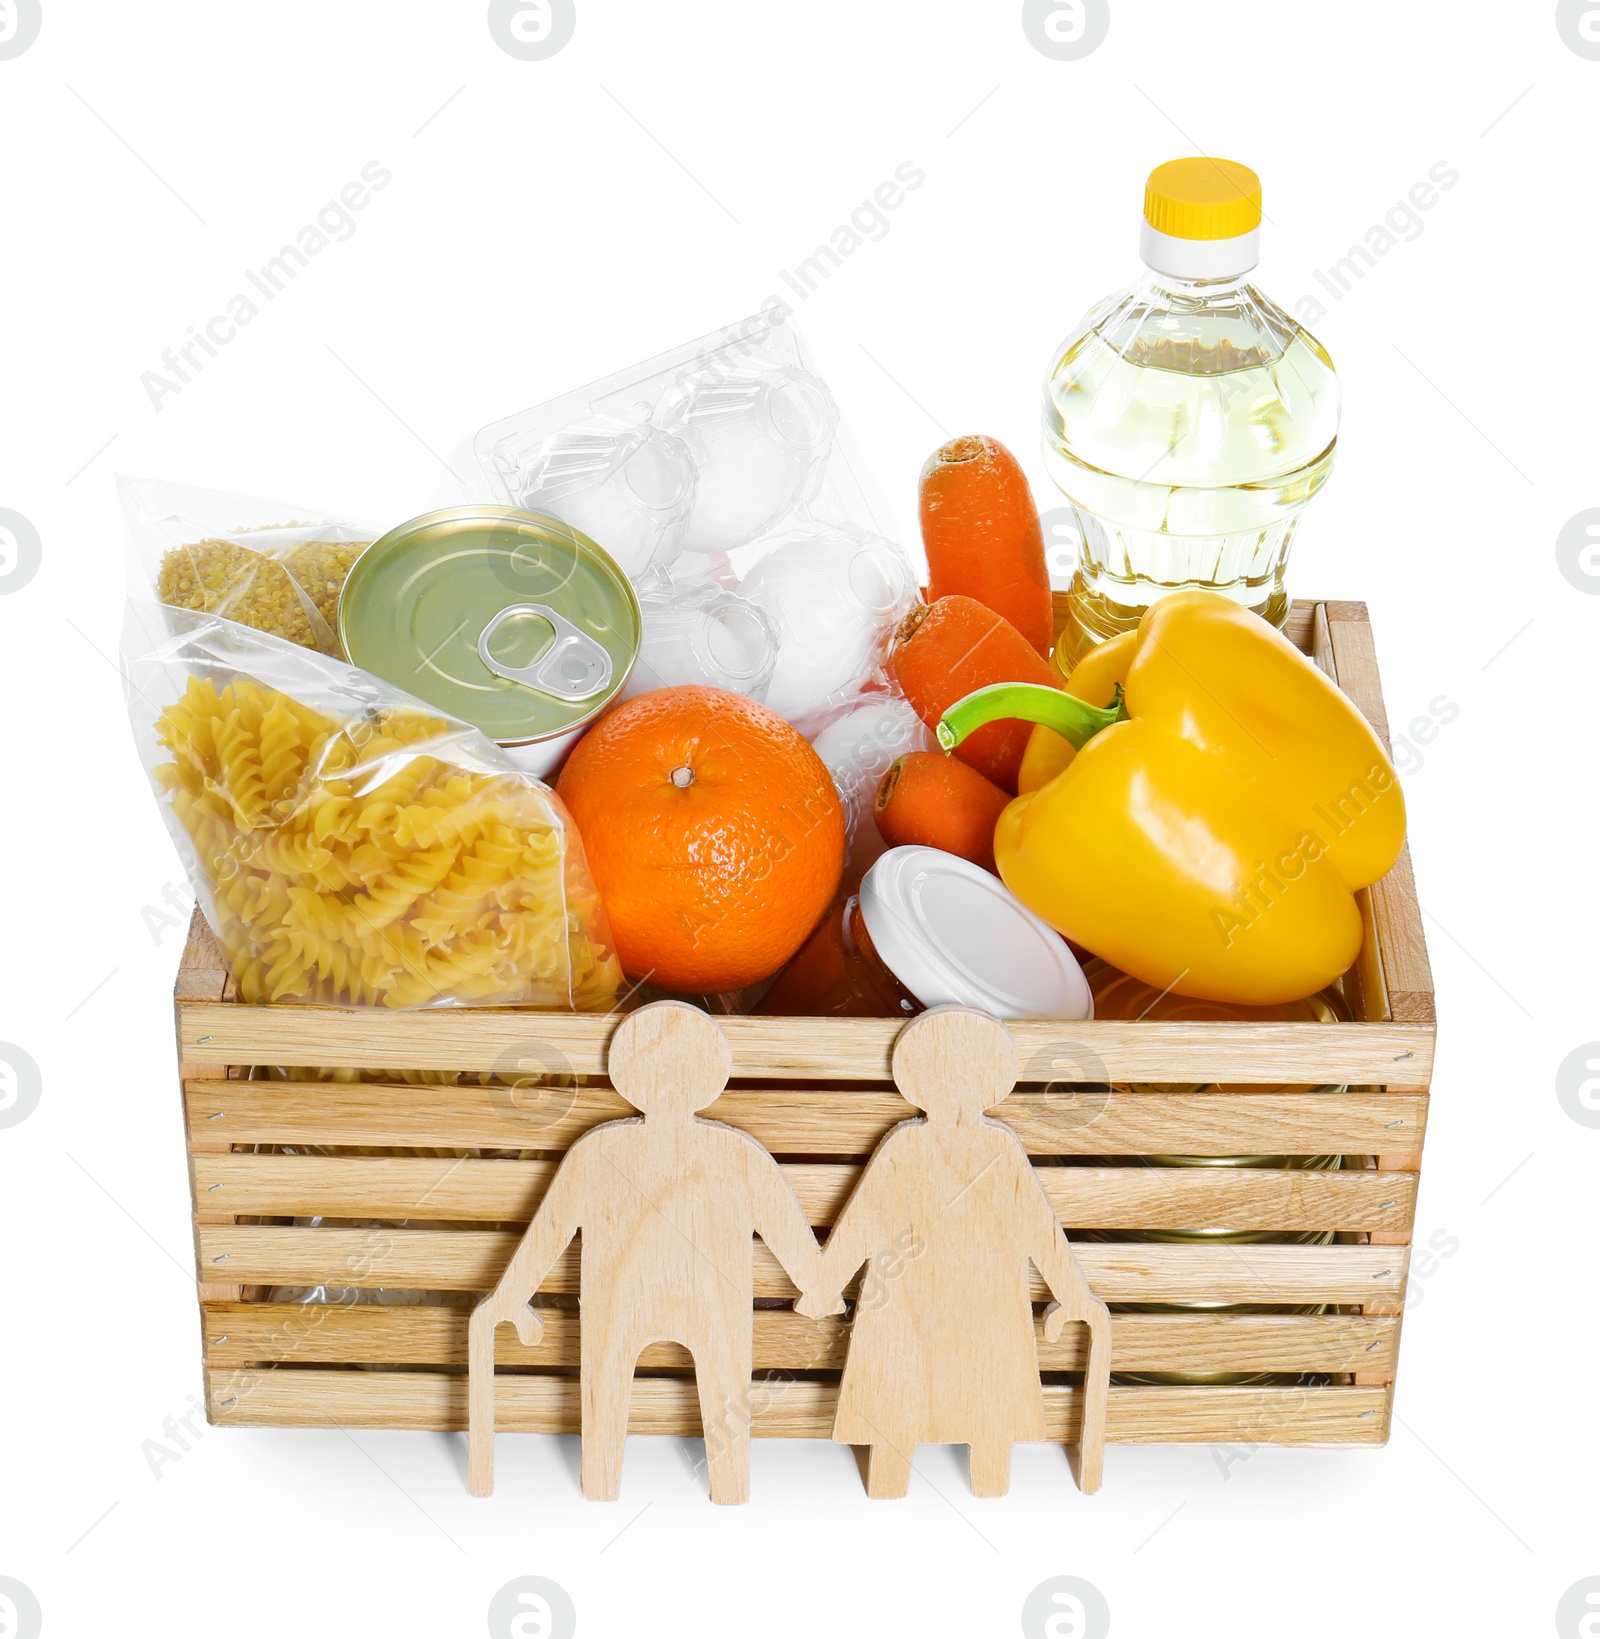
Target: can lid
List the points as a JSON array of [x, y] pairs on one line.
[[512, 621], [952, 933]]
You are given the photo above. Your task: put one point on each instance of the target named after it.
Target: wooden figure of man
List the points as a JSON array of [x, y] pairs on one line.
[[667, 1206], [949, 1215]]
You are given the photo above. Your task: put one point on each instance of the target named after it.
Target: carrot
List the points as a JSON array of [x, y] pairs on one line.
[[933, 800], [947, 649], [981, 532]]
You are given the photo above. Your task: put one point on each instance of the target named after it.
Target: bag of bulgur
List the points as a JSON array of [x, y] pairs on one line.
[[276, 568]]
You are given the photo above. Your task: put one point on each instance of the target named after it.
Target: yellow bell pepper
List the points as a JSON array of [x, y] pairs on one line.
[[1199, 806], [1096, 678]]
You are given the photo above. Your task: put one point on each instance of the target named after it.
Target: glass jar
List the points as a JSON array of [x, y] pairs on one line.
[[838, 973], [929, 929]]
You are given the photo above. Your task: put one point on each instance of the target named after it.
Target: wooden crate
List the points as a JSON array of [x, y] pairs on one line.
[[817, 1094]]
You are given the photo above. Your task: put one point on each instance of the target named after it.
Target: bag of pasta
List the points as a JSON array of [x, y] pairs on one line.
[[349, 845]]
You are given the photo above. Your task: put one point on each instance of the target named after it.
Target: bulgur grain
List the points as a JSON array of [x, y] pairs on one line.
[[295, 596]]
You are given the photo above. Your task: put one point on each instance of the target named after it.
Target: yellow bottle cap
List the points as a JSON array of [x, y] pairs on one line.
[[1203, 199]]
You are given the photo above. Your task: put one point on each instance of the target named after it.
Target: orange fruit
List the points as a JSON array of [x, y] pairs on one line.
[[714, 834]]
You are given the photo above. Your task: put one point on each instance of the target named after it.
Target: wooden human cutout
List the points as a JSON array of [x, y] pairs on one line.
[[948, 1215], [667, 1206]]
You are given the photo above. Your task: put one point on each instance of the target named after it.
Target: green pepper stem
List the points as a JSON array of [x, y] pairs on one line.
[[1073, 719]]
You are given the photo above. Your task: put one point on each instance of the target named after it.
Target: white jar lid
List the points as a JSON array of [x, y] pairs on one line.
[[952, 933]]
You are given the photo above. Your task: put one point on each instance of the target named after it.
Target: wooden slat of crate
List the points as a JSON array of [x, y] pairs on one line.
[[1129, 1197], [820, 1121], [847, 1050], [1398, 918], [1364, 984], [1334, 1415], [471, 1260], [428, 1335], [1278, 1123]]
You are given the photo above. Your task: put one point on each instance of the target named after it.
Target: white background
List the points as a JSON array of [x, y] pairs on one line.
[[549, 222]]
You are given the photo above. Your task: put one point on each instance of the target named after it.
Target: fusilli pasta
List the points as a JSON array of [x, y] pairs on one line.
[[349, 864]]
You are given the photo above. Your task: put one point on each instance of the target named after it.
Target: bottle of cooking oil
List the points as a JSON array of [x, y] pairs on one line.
[[1188, 420]]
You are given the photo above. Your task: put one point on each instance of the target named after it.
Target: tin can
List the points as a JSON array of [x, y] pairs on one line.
[[1220, 1237], [511, 621], [1217, 1380], [1119, 996]]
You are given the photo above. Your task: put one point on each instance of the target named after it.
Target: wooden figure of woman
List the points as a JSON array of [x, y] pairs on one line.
[[948, 1216]]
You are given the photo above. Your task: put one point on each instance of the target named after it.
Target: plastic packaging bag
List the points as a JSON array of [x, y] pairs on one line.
[[349, 845], [272, 567], [858, 746]]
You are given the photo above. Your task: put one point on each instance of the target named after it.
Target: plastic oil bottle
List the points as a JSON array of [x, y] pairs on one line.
[[1188, 420]]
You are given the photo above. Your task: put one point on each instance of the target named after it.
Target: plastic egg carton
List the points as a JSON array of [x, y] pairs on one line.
[[721, 479]]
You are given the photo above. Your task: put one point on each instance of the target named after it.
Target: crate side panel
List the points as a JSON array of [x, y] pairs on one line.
[[202, 976], [1402, 945]]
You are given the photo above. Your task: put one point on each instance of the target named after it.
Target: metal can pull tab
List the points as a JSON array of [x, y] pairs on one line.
[[574, 667]]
